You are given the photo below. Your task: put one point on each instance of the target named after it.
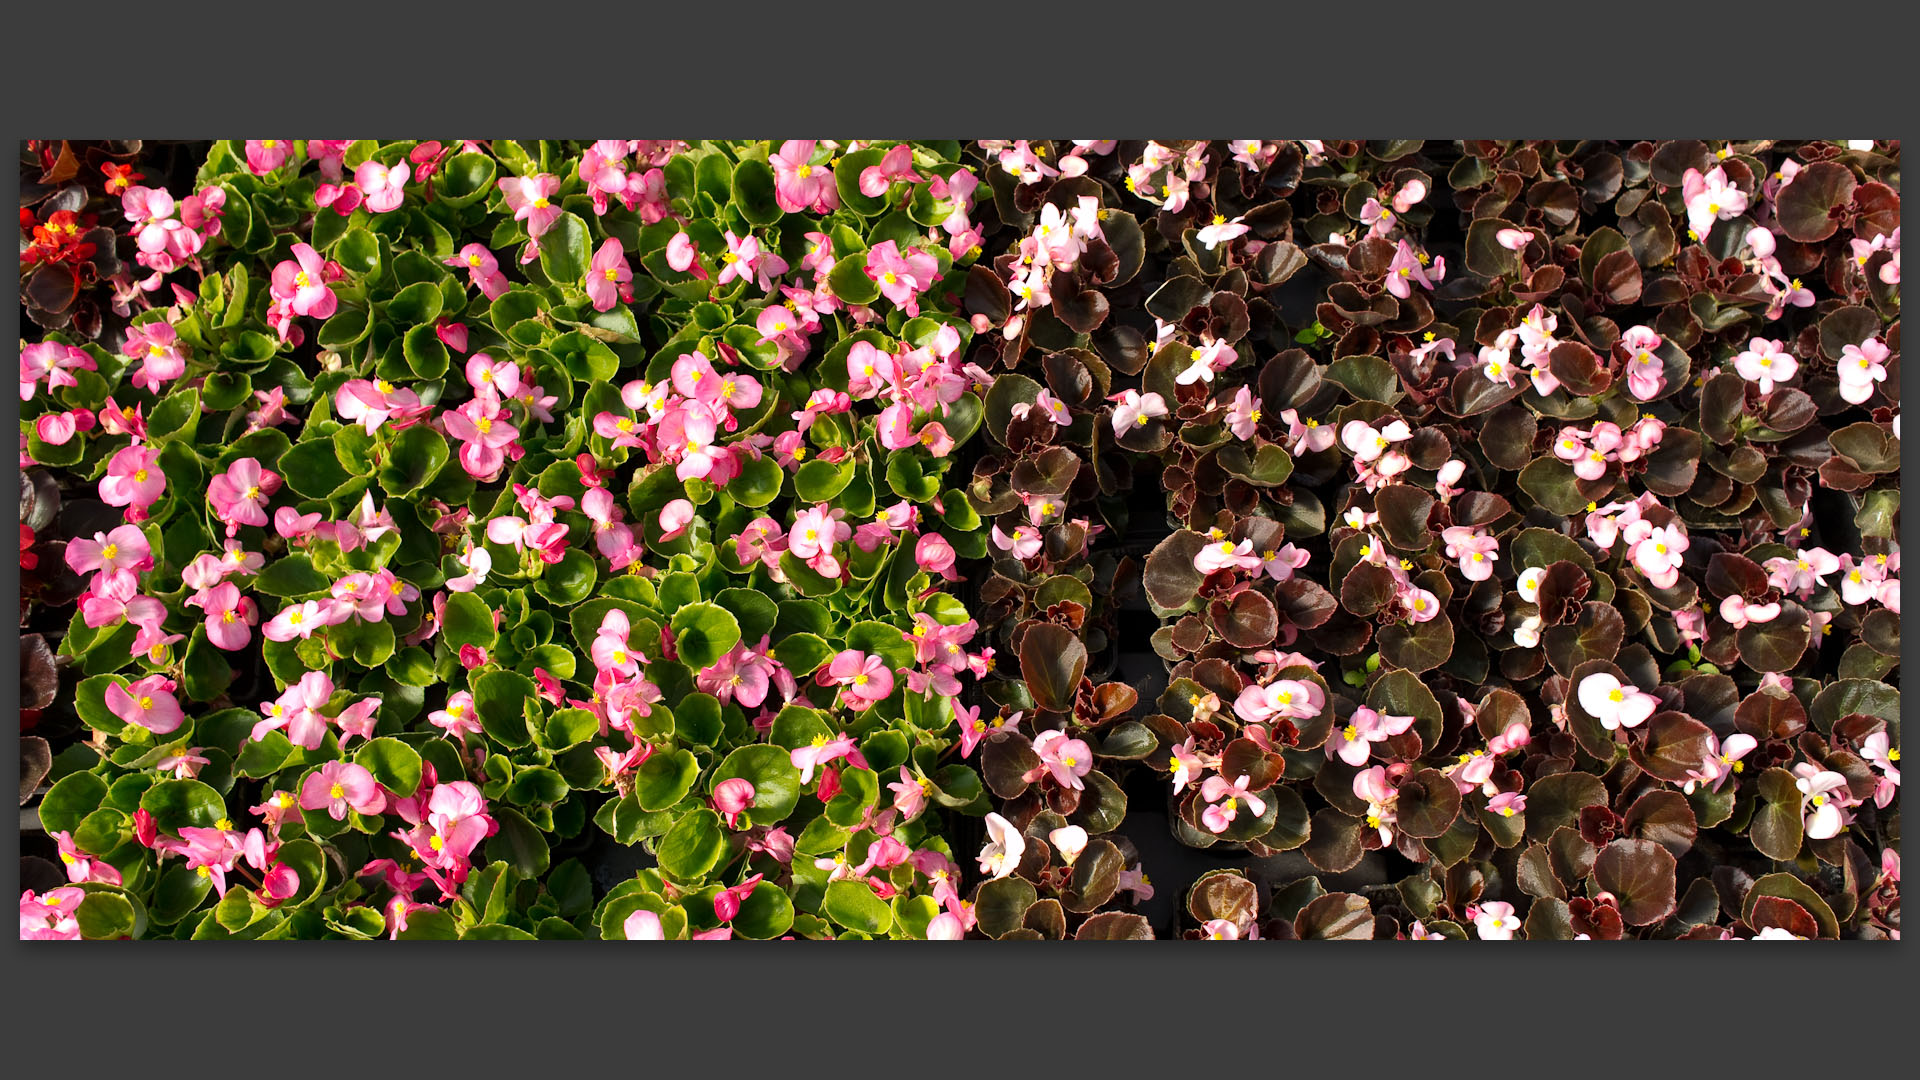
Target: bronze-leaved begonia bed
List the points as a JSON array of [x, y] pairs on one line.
[[999, 539]]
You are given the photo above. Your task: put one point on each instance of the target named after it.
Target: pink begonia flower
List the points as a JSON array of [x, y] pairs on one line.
[[1658, 555], [1513, 239], [1243, 416], [935, 554], [1353, 744], [946, 926], [799, 186], [266, 155], [726, 905], [1368, 442], [1859, 367], [162, 356], [1409, 266], [1065, 759], [896, 165], [1069, 841], [53, 362], [1226, 555], [530, 199], [1220, 231], [133, 480], [82, 866], [297, 620], [1821, 795], [674, 518], [1305, 436], [910, 795], [1227, 930], [384, 188], [51, 917], [1507, 804], [902, 276], [1803, 573], [1286, 699], [1046, 405], [124, 550], [1205, 361], [1615, 704], [815, 532], [356, 720], [821, 751], [1722, 760], [339, 786], [1226, 799], [239, 495], [1475, 550], [865, 679], [732, 797], [1710, 198], [147, 703], [303, 280], [483, 269], [459, 718], [1280, 564], [1879, 750], [643, 925], [230, 616], [1004, 847], [1495, 921], [342, 199], [1134, 409], [609, 278], [1766, 363], [1023, 544], [974, 728]]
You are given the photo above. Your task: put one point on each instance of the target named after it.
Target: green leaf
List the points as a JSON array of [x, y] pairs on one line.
[[416, 305], [570, 580], [776, 783], [426, 355], [753, 192], [393, 763], [294, 575], [519, 843], [665, 778], [765, 913], [312, 469], [176, 804], [70, 800], [105, 916], [501, 698], [703, 633], [468, 621], [693, 846], [566, 250], [853, 905]]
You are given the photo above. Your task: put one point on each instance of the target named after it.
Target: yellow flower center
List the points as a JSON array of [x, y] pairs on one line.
[[803, 171], [1616, 694], [226, 616], [1069, 762], [110, 551], [436, 843], [203, 871], [473, 260], [336, 792], [252, 492], [484, 424], [1506, 811], [1351, 733], [301, 280], [146, 702], [890, 278], [540, 202], [140, 476], [860, 679]]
